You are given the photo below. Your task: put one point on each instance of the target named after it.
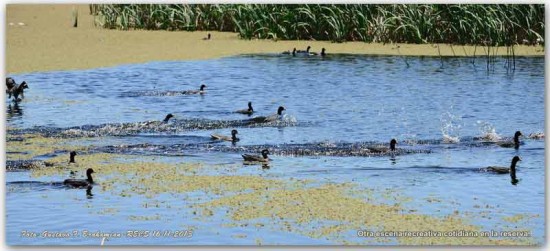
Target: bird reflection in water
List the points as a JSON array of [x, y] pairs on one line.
[[14, 111], [393, 159], [89, 194]]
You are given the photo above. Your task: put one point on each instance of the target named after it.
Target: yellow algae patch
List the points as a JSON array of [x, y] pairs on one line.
[[108, 211], [129, 175], [519, 217], [172, 182], [144, 217], [35, 145], [83, 162], [71, 102], [338, 217]]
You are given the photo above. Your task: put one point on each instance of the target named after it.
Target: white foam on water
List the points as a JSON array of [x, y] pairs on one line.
[[488, 131], [450, 127]]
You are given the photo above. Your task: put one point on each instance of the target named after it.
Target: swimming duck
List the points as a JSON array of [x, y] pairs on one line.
[[257, 158], [156, 123], [248, 111], [10, 83], [167, 117], [81, 182], [503, 170], [393, 142], [226, 138], [200, 91], [270, 118], [289, 52], [306, 51], [18, 89], [71, 156], [514, 144]]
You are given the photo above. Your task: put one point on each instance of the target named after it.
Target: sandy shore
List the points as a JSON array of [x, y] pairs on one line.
[[47, 41]]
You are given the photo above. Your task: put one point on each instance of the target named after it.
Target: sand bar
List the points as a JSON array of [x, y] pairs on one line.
[[42, 38]]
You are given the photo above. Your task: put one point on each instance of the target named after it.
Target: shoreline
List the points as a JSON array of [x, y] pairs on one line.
[[47, 42]]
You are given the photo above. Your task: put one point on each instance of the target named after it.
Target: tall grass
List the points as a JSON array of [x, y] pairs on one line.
[[487, 24]]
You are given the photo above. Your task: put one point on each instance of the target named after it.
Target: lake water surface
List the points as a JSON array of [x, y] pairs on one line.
[[340, 99]]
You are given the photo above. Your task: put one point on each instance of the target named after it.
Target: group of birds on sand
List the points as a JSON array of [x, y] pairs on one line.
[[305, 52]]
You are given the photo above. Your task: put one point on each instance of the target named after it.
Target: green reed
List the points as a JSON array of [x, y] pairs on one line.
[[479, 24]]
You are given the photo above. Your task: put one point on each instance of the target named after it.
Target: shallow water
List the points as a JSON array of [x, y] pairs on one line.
[[338, 100]]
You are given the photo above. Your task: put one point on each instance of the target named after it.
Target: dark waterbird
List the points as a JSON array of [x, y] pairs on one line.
[[504, 170], [393, 142], [16, 90], [304, 52], [515, 143], [289, 52], [233, 136], [151, 124], [72, 154], [208, 37], [199, 91], [257, 158], [270, 118], [81, 182], [168, 117], [323, 52], [308, 53], [10, 83], [248, 111]]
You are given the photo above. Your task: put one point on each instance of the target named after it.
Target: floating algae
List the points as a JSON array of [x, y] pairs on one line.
[[144, 217], [29, 146], [327, 211], [295, 210], [138, 175], [519, 217], [108, 211]]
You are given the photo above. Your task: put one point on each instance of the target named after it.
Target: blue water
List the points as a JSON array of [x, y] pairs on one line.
[[338, 99]]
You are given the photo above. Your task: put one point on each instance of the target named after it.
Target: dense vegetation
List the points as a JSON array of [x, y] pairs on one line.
[[488, 24]]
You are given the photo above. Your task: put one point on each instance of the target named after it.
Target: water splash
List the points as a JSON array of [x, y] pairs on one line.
[[289, 119], [359, 149], [450, 127], [133, 94], [536, 135], [487, 131], [154, 127]]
